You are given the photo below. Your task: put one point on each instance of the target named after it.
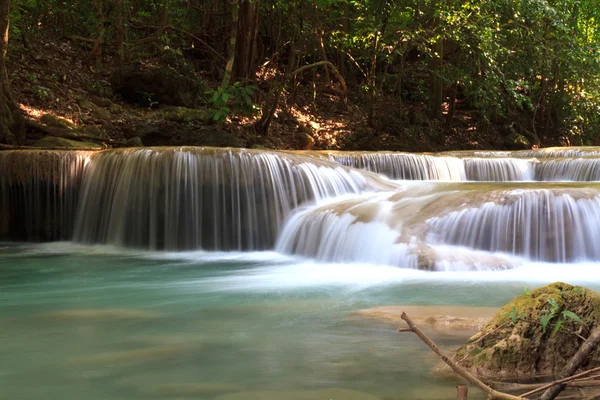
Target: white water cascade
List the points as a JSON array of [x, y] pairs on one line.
[[411, 226], [542, 225], [406, 166], [569, 169], [193, 198], [459, 210], [39, 192]]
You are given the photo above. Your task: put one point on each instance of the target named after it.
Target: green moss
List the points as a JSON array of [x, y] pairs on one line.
[[53, 142], [56, 122], [182, 114], [515, 344]]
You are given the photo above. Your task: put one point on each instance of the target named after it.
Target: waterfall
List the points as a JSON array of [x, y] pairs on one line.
[[568, 169], [353, 231], [554, 152], [383, 228], [405, 165], [555, 225], [194, 198], [38, 193], [308, 204], [499, 169], [413, 226]]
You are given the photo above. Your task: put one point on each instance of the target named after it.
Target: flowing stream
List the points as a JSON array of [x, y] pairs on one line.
[[180, 273]]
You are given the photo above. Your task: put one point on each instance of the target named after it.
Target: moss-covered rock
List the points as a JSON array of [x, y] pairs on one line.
[[152, 87], [135, 141], [516, 345], [516, 141], [182, 114], [56, 122], [55, 142]]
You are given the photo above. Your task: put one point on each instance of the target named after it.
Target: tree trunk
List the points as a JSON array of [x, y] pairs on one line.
[[436, 94], [120, 32], [96, 54], [232, 46], [372, 81], [12, 123], [247, 28]]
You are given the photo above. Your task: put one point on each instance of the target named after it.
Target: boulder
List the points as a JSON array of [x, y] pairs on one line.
[[516, 141], [135, 141], [93, 108], [534, 335], [151, 87]]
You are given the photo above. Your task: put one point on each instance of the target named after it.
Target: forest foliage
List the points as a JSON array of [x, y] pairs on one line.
[[530, 65]]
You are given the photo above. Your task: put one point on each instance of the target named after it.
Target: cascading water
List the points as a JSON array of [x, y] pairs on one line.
[[439, 168], [550, 224], [191, 198], [543, 225], [568, 169], [38, 193], [499, 169], [405, 165], [235, 199]]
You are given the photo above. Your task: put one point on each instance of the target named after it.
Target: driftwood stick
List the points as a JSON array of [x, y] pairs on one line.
[[563, 381], [522, 387], [462, 392], [574, 363], [455, 367]]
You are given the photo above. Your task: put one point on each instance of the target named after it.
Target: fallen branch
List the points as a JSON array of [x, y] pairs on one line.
[[493, 394], [12, 147], [67, 134], [564, 381], [573, 365], [523, 387], [337, 74], [83, 39]]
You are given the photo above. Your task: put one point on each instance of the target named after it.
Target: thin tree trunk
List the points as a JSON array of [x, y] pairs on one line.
[[451, 106], [321, 44], [436, 95], [342, 66], [12, 123], [120, 31], [462, 392], [371, 82], [96, 54], [232, 46]]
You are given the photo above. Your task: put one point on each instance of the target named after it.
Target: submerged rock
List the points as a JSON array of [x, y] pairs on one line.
[[329, 394], [518, 344], [102, 314], [447, 319]]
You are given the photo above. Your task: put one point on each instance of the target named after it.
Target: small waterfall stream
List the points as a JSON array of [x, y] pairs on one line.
[[456, 210], [176, 199], [39, 193]]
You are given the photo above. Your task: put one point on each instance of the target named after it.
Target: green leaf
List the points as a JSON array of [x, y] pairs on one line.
[[527, 291], [571, 315], [545, 320], [557, 327], [552, 302], [225, 97]]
